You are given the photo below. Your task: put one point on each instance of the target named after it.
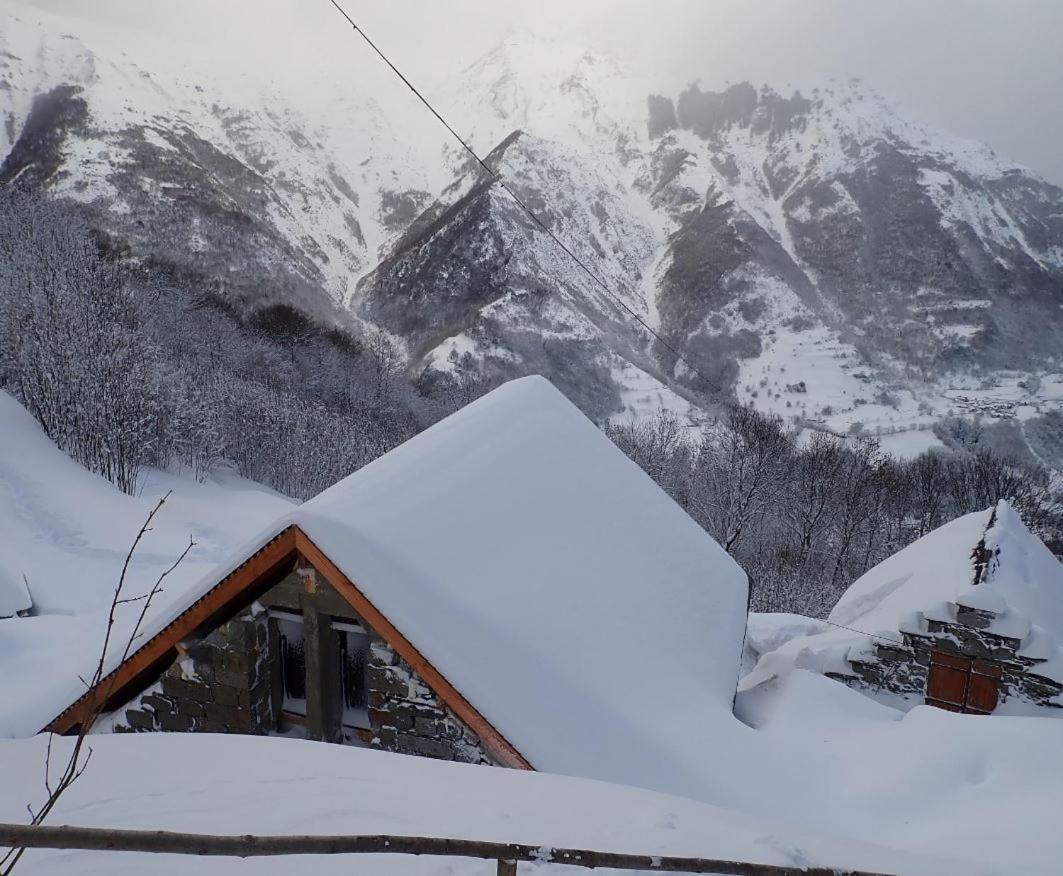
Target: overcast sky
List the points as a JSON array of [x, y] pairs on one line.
[[988, 70]]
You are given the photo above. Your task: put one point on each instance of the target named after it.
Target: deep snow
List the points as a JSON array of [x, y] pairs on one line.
[[814, 760], [226, 784], [1022, 583], [68, 531]]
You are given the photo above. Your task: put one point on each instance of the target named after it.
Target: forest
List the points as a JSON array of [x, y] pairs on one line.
[[127, 365]]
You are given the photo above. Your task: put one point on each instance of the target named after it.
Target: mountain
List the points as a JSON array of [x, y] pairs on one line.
[[814, 253], [233, 187]]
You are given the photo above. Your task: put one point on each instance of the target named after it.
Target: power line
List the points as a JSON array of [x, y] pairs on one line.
[[496, 177], [869, 635]]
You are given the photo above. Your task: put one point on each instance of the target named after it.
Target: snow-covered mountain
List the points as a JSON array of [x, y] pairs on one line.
[[220, 179], [815, 253]]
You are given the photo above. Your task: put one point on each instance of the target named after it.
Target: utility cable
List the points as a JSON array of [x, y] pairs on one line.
[[496, 177]]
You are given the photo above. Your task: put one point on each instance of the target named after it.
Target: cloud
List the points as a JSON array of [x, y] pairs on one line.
[[981, 69]]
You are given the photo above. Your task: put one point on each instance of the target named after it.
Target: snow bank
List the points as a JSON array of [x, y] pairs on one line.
[[218, 784], [768, 631], [68, 531], [987, 788]]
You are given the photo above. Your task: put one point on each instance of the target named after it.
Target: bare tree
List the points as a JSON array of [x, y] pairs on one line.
[[738, 473], [55, 785]]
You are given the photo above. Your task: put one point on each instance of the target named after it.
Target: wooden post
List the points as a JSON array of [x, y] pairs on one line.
[[507, 868], [313, 655], [322, 704]]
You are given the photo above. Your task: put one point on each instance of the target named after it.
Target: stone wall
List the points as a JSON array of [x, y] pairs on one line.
[[222, 685], [406, 717], [902, 668]]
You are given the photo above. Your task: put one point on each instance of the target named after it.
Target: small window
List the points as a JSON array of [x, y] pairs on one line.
[[292, 663], [353, 642]]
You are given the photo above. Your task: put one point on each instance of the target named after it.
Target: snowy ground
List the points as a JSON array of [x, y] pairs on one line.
[[810, 773], [66, 532], [227, 784]]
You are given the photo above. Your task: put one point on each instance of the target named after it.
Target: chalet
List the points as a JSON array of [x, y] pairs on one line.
[[505, 588], [968, 618]]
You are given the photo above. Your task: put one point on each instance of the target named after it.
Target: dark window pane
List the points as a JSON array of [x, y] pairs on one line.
[[354, 654], [292, 665]]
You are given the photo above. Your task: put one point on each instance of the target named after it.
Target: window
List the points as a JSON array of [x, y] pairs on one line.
[[353, 648], [292, 659], [961, 684], [334, 703]]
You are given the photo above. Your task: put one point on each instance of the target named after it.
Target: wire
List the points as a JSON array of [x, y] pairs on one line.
[[495, 176], [869, 635]]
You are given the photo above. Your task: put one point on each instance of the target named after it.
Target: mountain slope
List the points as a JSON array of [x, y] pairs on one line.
[[815, 254], [236, 188]]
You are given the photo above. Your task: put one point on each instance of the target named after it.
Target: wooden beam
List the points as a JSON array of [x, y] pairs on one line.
[[166, 842], [497, 745], [160, 650]]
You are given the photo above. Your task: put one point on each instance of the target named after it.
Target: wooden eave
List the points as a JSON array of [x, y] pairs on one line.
[[261, 571]]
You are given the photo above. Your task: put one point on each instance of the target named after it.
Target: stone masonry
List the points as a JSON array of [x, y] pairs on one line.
[[227, 683], [406, 717], [903, 667], [222, 685]]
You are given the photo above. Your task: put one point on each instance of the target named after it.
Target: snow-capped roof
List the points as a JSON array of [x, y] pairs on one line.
[[1021, 586], [571, 601], [577, 608], [1022, 583], [935, 568]]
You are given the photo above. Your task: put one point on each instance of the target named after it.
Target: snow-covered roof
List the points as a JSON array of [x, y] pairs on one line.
[[1021, 586], [548, 578], [1022, 582], [570, 600]]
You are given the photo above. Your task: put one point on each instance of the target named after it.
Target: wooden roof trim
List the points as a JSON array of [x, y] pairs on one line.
[[163, 645], [496, 743]]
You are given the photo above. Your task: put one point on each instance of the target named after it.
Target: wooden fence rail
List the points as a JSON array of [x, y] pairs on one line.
[[506, 854]]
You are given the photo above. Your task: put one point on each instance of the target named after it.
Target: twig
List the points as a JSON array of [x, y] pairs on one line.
[[76, 765]]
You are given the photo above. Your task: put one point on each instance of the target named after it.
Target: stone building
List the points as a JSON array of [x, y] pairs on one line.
[[968, 618], [485, 593]]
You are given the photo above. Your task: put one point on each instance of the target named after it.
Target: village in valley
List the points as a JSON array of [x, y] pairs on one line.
[[676, 488]]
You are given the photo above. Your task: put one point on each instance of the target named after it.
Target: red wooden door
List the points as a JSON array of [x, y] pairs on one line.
[[961, 684]]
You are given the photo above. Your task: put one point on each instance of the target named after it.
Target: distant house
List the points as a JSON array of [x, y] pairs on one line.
[[991, 643], [505, 588], [968, 618]]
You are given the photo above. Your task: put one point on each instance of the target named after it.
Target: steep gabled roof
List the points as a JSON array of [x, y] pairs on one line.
[[575, 606], [237, 589], [987, 560]]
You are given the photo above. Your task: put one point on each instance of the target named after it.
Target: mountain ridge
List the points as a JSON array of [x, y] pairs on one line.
[[815, 254]]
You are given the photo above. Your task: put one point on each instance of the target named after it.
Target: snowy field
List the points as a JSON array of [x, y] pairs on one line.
[[228, 784], [809, 771]]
